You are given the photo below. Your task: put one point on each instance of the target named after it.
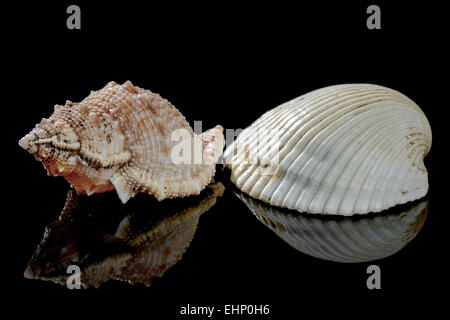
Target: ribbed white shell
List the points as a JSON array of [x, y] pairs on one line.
[[347, 240], [344, 149]]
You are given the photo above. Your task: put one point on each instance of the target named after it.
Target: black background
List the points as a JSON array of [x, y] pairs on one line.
[[222, 63]]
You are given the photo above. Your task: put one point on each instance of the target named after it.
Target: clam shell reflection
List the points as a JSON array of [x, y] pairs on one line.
[[110, 241], [343, 239]]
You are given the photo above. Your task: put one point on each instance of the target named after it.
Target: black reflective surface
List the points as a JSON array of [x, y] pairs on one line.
[[142, 239]]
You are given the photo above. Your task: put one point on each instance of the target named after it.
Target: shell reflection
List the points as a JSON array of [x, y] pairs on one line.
[[110, 241], [343, 239]]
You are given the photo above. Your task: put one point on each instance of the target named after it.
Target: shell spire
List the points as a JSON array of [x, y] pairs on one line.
[[126, 138]]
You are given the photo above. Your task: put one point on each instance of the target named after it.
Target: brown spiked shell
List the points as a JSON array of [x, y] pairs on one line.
[[125, 138]]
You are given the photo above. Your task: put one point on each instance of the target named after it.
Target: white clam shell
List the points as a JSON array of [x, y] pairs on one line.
[[343, 239], [343, 149]]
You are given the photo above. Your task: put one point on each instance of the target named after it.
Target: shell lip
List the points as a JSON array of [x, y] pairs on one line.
[[396, 210]]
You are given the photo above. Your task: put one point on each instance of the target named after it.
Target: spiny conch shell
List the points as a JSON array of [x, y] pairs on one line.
[[343, 239], [344, 149], [113, 242], [125, 138]]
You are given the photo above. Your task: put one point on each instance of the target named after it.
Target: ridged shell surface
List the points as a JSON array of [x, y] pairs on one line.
[[343, 149], [343, 239], [123, 137]]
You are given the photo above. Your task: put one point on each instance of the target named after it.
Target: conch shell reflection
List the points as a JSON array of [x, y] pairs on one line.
[[343, 239], [110, 241]]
